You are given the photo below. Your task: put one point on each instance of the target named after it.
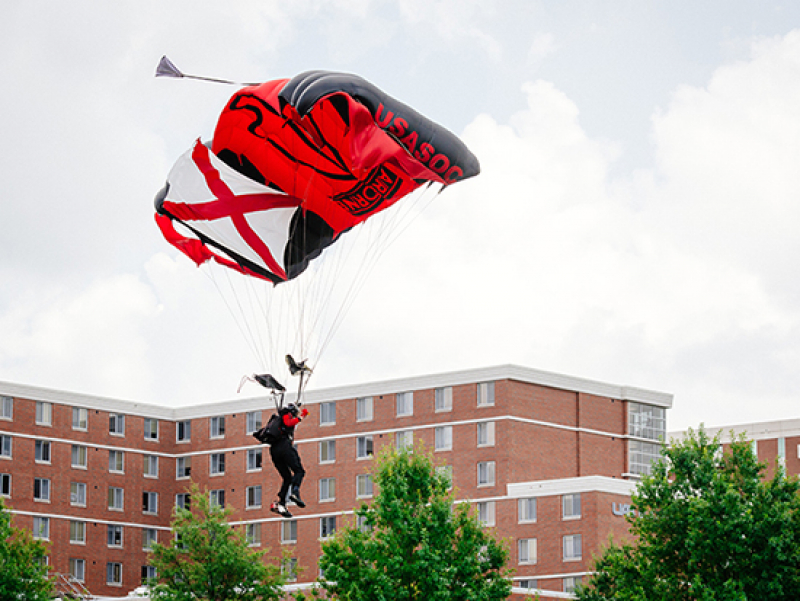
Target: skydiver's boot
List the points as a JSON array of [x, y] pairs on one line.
[[294, 497], [280, 510]]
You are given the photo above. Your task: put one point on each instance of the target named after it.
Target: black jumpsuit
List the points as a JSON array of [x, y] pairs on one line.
[[286, 458]]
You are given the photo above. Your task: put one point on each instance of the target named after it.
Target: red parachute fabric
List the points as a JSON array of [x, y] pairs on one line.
[[332, 148]]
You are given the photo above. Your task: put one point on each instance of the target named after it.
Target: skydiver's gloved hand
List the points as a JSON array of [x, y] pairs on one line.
[[304, 412]]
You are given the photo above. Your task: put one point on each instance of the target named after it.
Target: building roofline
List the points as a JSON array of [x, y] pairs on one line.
[[563, 486], [452, 378], [783, 428]]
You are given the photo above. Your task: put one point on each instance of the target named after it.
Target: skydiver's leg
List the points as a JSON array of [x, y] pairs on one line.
[[281, 459], [293, 460]]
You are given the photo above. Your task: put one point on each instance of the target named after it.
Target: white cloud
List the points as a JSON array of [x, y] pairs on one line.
[[91, 340]]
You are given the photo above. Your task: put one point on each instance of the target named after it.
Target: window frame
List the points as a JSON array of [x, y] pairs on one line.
[[365, 409], [44, 414], [80, 491], [445, 432], [216, 427], [116, 424], [80, 414], [486, 394], [527, 558], [327, 490], [443, 399], [44, 488], [490, 468]]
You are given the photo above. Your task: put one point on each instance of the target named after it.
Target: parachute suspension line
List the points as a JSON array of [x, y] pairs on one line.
[[241, 324], [393, 221]]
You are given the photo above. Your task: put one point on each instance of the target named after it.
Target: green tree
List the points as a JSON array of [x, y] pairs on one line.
[[710, 527], [22, 574], [209, 560], [412, 542]]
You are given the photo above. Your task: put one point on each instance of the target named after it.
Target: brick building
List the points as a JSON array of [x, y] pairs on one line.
[[774, 442], [548, 460]]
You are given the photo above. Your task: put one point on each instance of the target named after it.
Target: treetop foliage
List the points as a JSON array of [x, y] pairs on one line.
[[413, 543], [709, 526], [22, 574]]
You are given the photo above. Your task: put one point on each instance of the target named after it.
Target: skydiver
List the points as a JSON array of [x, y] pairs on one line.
[[287, 460]]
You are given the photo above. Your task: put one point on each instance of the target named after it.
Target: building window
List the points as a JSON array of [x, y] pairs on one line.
[[254, 460], [116, 424], [5, 446], [405, 440], [446, 472], [150, 466], [443, 399], [571, 583], [253, 534], [183, 467], [642, 455], [364, 409], [405, 404], [444, 438], [327, 489], [80, 418], [114, 573], [217, 427], [486, 513], [526, 550], [183, 431], [150, 502], [149, 536], [486, 473], [571, 506], [289, 569], [485, 394], [116, 462], [150, 428], [572, 547], [41, 528], [42, 451], [79, 456], [77, 532], [252, 421], [217, 464], [183, 500], [44, 413], [647, 421], [528, 583], [485, 434], [289, 531], [327, 451], [526, 510], [253, 497], [363, 486], [148, 574], [217, 497], [116, 498], [327, 526], [77, 569], [364, 447], [327, 413], [6, 407], [5, 485], [41, 489], [77, 494]]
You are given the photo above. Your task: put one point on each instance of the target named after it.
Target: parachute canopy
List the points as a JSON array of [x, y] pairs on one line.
[[295, 163]]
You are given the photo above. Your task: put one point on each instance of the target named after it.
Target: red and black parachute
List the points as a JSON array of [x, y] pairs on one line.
[[295, 163]]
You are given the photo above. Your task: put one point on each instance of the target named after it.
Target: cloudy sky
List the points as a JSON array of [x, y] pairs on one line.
[[636, 220]]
